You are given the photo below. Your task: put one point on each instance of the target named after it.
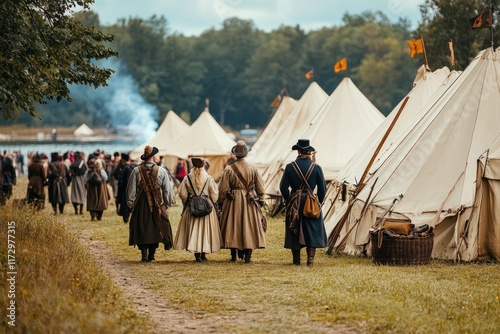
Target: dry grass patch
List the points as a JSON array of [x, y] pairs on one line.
[[58, 288]]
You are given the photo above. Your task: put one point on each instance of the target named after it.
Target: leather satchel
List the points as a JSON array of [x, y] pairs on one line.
[[312, 207]]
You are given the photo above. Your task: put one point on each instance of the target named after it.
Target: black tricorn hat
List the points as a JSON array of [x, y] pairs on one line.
[[149, 152], [303, 145]]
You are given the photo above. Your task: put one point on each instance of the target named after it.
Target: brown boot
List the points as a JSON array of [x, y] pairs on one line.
[[311, 252]]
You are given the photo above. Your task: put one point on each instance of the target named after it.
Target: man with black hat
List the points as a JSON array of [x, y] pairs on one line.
[[148, 190], [241, 193], [310, 232]]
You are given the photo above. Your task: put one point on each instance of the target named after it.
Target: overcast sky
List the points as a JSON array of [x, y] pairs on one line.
[[192, 17]]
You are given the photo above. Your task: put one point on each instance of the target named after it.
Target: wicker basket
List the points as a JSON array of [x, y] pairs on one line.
[[401, 250]]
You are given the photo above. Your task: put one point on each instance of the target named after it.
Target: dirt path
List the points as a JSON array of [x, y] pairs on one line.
[[147, 302]]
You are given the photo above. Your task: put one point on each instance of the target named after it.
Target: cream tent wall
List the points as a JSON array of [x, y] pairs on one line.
[[169, 131], [429, 178], [341, 125], [481, 236], [206, 138], [271, 133], [428, 87]]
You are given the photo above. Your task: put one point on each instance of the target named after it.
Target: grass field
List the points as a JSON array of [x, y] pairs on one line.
[[275, 296]]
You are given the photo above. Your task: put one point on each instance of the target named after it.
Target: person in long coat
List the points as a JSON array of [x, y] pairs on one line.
[[58, 179], [7, 178], [144, 226], [199, 235], [78, 192], [36, 183], [122, 174], [311, 232], [241, 218], [97, 194]]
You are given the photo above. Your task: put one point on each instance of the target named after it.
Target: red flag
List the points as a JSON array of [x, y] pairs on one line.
[[483, 20]]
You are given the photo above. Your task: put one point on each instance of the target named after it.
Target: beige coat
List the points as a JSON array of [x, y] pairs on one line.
[[241, 225], [198, 234]]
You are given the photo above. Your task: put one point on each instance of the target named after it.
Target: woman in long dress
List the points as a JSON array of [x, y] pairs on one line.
[[97, 192], [199, 235], [78, 192]]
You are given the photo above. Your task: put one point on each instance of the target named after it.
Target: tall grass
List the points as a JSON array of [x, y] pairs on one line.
[[58, 288], [338, 294]]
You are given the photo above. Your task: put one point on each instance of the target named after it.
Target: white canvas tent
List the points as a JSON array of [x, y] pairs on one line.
[[170, 130], [83, 131], [428, 87], [302, 114], [341, 125], [271, 132], [429, 178], [206, 138]]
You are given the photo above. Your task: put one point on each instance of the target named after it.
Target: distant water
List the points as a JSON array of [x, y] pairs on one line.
[[61, 147]]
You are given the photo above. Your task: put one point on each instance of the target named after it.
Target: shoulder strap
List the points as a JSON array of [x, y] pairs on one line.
[[304, 178], [238, 174], [194, 190]]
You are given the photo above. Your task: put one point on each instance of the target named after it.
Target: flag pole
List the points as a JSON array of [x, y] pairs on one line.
[[425, 54], [491, 26]]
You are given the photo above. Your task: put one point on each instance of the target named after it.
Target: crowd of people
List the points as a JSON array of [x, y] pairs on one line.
[[216, 215]]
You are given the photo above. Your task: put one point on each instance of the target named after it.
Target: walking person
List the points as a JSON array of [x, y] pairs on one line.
[[36, 183], [148, 190], [122, 175], [7, 178], [95, 178], [58, 180], [310, 232], [241, 218], [78, 192], [199, 235]]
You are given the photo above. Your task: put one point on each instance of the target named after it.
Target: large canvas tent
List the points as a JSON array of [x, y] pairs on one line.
[[170, 130], [429, 178], [206, 138], [340, 126], [303, 113], [271, 133], [428, 87]]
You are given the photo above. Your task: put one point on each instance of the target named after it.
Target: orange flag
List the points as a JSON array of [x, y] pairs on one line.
[[341, 65], [310, 74], [483, 20], [416, 46]]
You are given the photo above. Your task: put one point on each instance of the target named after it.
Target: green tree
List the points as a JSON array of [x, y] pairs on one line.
[[445, 20], [43, 49]]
